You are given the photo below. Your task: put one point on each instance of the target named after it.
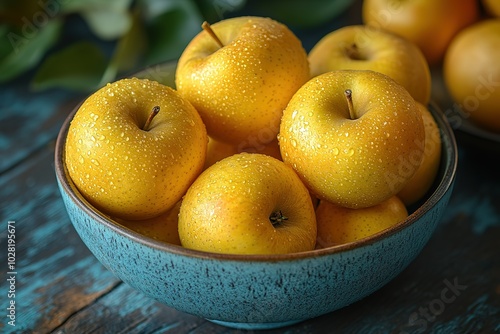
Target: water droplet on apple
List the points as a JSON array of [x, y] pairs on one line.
[[87, 176], [95, 162], [293, 142], [335, 151], [349, 152], [294, 113]]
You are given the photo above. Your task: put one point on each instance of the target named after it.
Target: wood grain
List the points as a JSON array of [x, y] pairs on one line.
[[453, 286]]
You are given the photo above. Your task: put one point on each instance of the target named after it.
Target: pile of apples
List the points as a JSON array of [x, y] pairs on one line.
[[461, 39], [263, 148]]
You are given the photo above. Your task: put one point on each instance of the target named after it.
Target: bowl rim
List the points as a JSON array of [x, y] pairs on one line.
[[440, 190]]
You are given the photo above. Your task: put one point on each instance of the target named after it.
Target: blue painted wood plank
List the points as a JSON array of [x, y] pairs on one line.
[[30, 120], [56, 274]]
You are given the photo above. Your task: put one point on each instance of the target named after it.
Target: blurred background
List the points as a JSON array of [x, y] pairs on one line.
[[79, 45]]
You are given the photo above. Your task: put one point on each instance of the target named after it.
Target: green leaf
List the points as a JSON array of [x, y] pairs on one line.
[[5, 47], [108, 24], [27, 49], [77, 6], [107, 19], [128, 51], [79, 66], [170, 26]]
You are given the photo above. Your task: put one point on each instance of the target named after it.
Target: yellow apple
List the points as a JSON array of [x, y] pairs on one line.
[[128, 161], [492, 7], [271, 149], [471, 72], [248, 203], [352, 136], [423, 178], [366, 48], [162, 228], [241, 88], [218, 150], [430, 24], [339, 225]]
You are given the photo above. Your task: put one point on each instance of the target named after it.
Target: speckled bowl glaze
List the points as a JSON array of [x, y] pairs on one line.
[[255, 291]]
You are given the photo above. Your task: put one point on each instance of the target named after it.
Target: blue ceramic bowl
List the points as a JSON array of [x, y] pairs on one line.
[[255, 291]]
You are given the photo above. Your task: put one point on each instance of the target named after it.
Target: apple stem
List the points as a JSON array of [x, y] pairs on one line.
[[154, 112], [277, 218], [205, 26], [348, 96]]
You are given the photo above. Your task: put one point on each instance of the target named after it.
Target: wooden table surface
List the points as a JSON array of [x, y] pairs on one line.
[[55, 285]]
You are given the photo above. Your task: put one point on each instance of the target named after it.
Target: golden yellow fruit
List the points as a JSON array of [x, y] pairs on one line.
[[339, 225], [471, 72], [492, 7], [241, 88], [162, 228], [356, 159], [125, 168], [366, 48], [218, 150], [424, 177], [430, 24], [248, 203]]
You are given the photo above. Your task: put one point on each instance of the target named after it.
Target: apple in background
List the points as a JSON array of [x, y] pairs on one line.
[[366, 48], [352, 136], [239, 74], [492, 7], [430, 24], [471, 72], [422, 181], [218, 150], [134, 147], [162, 228], [248, 204], [339, 225]]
